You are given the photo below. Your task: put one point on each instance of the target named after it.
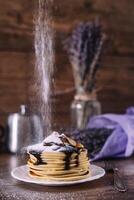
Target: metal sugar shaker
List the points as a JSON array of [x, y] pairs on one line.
[[19, 130]]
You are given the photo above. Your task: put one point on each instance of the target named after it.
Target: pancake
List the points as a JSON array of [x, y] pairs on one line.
[[58, 158]]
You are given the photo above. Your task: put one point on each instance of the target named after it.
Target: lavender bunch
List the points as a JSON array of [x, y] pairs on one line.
[[93, 139], [84, 47]]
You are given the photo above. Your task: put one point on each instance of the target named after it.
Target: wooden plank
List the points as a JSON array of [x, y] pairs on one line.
[[12, 87], [16, 22], [15, 73], [13, 70], [15, 65], [12, 104], [117, 61]]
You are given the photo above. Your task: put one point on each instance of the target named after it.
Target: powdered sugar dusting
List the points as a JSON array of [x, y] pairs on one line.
[[44, 61], [52, 143], [54, 137], [36, 147]]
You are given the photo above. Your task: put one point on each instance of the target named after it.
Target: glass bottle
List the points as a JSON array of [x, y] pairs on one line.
[[82, 111]]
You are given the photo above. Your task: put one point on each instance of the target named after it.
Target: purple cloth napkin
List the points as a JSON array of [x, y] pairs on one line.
[[121, 142]]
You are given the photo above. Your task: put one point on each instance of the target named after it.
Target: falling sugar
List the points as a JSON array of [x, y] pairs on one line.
[[44, 64]]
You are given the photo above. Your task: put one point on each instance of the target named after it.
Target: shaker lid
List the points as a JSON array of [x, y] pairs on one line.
[[24, 110]]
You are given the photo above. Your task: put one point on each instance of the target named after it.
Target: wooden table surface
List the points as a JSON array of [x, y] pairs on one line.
[[96, 190]]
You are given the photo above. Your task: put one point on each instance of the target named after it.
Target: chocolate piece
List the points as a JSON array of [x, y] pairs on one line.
[[38, 156], [77, 160], [67, 160]]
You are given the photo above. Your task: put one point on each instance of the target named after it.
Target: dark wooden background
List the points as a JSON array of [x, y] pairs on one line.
[[17, 53]]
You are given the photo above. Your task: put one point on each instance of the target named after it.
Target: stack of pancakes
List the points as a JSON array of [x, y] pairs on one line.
[[58, 158]]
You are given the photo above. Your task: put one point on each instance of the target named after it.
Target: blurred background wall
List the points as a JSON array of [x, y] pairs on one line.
[[115, 78]]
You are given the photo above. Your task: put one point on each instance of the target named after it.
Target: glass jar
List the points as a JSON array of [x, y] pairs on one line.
[[82, 111]]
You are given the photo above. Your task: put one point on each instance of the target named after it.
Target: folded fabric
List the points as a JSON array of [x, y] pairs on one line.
[[120, 142]]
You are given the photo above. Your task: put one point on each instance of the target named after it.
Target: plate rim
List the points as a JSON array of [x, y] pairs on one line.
[[56, 183]]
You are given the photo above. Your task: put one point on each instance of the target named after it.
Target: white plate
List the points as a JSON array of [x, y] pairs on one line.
[[21, 174]]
